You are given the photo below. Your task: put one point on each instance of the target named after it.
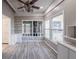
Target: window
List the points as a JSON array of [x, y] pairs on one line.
[[57, 22], [54, 29], [57, 28], [32, 28], [47, 29], [47, 34], [27, 28], [47, 24]]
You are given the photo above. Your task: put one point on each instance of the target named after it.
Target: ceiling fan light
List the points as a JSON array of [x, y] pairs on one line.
[[41, 7]]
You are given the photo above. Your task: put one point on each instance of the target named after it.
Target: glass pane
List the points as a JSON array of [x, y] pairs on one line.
[[57, 22], [56, 25], [39, 29], [27, 28], [34, 28], [57, 36], [47, 34], [47, 24]]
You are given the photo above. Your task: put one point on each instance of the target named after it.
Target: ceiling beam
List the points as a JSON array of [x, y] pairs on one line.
[[9, 5], [12, 7]]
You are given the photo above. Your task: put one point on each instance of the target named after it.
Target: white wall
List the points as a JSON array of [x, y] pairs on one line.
[[69, 14], [7, 11]]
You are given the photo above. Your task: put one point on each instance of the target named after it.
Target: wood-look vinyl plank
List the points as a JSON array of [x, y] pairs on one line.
[[30, 50]]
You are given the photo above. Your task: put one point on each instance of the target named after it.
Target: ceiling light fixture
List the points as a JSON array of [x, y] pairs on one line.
[[41, 7]]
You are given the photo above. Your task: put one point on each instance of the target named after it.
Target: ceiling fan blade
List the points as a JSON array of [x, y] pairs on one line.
[[33, 1], [36, 7], [20, 7], [21, 1]]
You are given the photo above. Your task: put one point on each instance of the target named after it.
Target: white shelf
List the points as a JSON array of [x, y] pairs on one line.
[[70, 37]]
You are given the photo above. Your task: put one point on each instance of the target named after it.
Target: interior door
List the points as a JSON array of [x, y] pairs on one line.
[[5, 29]]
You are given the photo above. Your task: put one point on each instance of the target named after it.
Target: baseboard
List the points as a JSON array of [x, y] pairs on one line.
[[4, 43]]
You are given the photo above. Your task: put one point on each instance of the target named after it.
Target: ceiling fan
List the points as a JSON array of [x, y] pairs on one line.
[[28, 5]]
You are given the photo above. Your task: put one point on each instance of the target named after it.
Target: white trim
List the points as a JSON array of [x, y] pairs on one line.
[[32, 20], [10, 32]]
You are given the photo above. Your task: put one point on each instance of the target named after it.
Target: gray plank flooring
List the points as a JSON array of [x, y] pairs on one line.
[[31, 50]]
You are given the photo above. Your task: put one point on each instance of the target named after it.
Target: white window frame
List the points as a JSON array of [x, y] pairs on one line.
[[32, 26]]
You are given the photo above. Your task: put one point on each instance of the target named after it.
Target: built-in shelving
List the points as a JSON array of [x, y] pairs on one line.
[[71, 32]]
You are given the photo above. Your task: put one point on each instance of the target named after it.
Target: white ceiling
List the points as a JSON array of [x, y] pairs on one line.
[[41, 3]]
